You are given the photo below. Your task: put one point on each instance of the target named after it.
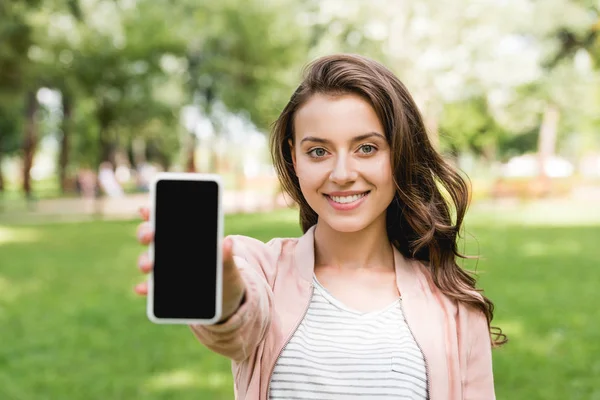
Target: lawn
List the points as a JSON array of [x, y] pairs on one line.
[[71, 327]]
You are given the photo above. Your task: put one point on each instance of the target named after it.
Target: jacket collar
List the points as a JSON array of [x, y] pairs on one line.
[[305, 254]]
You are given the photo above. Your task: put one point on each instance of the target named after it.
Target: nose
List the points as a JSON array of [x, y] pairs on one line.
[[343, 172]]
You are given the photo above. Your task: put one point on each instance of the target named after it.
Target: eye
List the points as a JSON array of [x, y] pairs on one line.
[[367, 149], [317, 152]]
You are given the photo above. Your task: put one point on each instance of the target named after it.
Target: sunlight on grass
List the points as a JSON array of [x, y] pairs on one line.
[[20, 235], [513, 329], [536, 248], [526, 341], [545, 345], [180, 379], [10, 291]]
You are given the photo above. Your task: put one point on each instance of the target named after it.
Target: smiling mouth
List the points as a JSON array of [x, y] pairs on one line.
[[347, 199]]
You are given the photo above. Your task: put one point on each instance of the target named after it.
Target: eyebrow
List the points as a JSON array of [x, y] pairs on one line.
[[353, 140]]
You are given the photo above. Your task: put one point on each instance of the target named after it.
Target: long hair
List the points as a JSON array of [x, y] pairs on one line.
[[419, 219]]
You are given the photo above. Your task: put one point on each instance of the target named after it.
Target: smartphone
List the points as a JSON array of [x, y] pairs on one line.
[[185, 285]]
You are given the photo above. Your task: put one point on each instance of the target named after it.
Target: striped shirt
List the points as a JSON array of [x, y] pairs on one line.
[[340, 353]]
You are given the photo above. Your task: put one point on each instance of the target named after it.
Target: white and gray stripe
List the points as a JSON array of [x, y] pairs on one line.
[[340, 353]]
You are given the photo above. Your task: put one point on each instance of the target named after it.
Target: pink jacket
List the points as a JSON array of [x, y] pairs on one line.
[[278, 275]]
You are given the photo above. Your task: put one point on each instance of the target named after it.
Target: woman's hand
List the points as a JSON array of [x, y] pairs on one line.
[[233, 285]]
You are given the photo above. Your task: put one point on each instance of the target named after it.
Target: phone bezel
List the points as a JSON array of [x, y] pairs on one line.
[[188, 176]]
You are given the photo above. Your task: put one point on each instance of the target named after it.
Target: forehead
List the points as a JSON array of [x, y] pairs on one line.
[[336, 117]]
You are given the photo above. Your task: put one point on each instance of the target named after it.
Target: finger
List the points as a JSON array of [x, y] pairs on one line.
[[228, 262], [145, 234], [145, 213], [141, 289], [144, 263], [229, 266]]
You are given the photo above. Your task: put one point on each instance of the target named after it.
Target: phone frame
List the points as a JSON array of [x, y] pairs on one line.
[[188, 176]]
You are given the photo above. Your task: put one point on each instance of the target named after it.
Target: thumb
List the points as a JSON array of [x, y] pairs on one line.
[[228, 263]]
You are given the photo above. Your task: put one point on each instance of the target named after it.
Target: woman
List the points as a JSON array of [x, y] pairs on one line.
[[370, 301]]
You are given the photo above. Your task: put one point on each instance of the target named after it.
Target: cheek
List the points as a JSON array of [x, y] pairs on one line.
[[310, 172], [380, 170]]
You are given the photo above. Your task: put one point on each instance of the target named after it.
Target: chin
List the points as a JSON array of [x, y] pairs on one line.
[[345, 224]]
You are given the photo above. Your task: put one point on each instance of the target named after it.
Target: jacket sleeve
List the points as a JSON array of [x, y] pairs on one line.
[[479, 382], [241, 333]]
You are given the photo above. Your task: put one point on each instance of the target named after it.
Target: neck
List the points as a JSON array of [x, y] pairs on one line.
[[367, 248]]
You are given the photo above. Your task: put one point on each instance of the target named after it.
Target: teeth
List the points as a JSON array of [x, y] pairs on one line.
[[347, 199]]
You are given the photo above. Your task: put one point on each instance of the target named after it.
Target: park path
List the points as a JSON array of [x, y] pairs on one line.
[[126, 207], [585, 201]]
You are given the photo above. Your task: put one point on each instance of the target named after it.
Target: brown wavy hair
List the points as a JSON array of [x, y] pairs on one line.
[[419, 219]]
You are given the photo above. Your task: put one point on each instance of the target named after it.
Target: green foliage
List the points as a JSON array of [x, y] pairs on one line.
[[575, 27], [15, 41], [245, 56], [130, 67], [10, 124], [468, 126]]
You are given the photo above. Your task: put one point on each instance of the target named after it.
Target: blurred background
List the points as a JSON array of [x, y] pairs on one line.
[[96, 96]]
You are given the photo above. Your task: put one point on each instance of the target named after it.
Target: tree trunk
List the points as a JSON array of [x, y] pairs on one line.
[[190, 165], [129, 153], [489, 152], [65, 142], [138, 151], [106, 147], [1, 186], [163, 161], [546, 149], [547, 137], [1, 176], [30, 141], [106, 143]]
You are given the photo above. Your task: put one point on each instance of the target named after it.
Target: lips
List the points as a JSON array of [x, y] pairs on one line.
[[346, 201]]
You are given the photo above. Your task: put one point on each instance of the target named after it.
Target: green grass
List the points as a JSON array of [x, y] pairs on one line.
[[71, 327], [543, 280]]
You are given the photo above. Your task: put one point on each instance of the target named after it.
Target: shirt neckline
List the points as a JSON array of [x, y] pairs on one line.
[[339, 304]]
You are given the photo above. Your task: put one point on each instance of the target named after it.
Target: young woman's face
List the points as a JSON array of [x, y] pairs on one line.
[[342, 160]]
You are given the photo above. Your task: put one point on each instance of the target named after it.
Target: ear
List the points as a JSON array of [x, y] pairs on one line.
[[292, 152]]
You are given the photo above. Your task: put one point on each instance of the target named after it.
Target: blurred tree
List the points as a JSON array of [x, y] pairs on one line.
[[447, 52], [349, 26], [573, 35], [15, 39], [18, 73], [244, 54], [250, 54], [452, 54], [29, 63], [119, 65], [15, 42], [480, 71], [468, 126], [61, 76], [561, 98], [10, 128]]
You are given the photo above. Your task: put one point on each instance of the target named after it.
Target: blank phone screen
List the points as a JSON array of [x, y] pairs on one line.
[[185, 249]]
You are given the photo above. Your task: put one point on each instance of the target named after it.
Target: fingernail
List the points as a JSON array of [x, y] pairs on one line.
[[141, 234], [142, 261]]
